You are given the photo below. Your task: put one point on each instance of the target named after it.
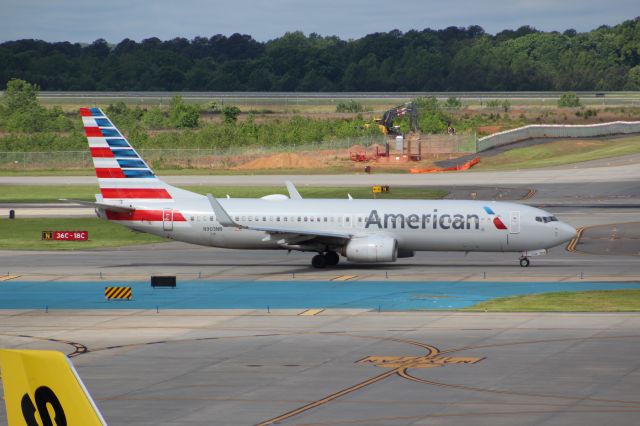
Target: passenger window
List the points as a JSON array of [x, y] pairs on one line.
[[312, 219], [284, 219], [278, 219], [237, 218], [299, 219], [191, 218], [306, 219]]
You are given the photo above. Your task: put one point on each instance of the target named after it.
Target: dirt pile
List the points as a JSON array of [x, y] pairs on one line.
[[282, 161]]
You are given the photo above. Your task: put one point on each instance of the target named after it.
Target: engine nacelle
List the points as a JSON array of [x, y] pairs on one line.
[[371, 249]]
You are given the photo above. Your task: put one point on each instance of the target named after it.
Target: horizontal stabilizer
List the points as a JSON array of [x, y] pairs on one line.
[[102, 206]]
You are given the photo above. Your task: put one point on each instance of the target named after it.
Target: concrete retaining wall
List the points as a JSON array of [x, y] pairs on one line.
[[557, 131]]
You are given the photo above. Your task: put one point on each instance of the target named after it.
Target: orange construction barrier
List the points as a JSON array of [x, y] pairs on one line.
[[465, 166]]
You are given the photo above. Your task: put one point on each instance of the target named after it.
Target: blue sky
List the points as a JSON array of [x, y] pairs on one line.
[[114, 20]]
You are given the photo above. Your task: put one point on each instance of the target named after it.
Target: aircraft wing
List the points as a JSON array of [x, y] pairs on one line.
[[286, 233], [39, 384], [103, 206], [307, 232]]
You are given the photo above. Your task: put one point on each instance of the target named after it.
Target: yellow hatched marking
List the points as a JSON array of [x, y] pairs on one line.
[[117, 293], [311, 312], [344, 278], [8, 277]]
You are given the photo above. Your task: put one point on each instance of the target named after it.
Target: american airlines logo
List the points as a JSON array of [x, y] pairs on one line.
[[423, 221]]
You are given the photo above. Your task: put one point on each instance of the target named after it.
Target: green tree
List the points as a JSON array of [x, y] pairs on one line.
[[183, 115], [453, 103], [20, 96], [230, 114], [569, 100], [633, 79]]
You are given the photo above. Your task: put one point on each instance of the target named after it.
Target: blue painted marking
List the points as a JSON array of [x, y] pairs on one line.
[[138, 173], [103, 122], [389, 295], [117, 143], [488, 210], [138, 164], [124, 153], [109, 132]]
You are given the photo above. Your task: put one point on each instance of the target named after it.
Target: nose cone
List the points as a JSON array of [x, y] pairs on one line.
[[566, 232]]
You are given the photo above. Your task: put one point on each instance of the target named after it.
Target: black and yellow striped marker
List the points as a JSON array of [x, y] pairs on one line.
[[118, 293]]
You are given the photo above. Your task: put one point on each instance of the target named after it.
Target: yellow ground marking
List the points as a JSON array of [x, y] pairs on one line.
[[8, 277], [344, 278], [417, 361], [311, 312], [530, 194], [571, 247]]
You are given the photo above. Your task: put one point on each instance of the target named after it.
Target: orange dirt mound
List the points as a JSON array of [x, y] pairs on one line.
[[282, 161], [488, 130]]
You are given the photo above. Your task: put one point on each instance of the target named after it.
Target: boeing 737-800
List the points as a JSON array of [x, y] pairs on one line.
[[360, 230]]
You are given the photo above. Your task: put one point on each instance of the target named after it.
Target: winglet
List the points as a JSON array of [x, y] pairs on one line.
[[221, 214], [39, 383], [293, 192]]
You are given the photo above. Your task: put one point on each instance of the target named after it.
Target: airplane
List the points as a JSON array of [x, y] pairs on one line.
[[368, 231], [43, 388]]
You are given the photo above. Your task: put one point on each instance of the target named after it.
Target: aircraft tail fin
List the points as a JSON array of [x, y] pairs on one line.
[[41, 384], [122, 173]]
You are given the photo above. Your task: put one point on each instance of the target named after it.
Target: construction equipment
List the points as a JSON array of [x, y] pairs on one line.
[[388, 117]]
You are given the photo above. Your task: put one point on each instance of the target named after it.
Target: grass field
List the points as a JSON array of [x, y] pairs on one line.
[[581, 301], [26, 234], [560, 153], [43, 194]]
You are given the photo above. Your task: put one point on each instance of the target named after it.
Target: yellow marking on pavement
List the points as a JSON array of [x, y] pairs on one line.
[[571, 247], [530, 194], [344, 278], [427, 361], [8, 277], [311, 312]]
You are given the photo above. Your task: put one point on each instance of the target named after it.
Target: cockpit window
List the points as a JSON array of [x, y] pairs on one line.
[[546, 219]]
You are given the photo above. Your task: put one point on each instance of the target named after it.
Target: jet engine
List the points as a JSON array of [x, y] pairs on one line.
[[371, 249]]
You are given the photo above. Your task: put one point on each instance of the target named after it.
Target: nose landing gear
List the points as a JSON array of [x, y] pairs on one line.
[[524, 261], [320, 260]]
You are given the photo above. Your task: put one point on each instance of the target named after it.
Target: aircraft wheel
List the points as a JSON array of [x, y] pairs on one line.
[[524, 262], [319, 261], [332, 258]]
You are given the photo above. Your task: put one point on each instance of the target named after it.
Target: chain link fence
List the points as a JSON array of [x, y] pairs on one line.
[[196, 158]]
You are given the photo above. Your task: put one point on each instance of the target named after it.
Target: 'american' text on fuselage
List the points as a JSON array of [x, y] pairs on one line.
[[423, 221]]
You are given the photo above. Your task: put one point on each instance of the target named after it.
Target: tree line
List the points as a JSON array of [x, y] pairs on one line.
[[451, 59]]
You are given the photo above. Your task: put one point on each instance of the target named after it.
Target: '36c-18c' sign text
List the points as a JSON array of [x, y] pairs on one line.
[[65, 235]]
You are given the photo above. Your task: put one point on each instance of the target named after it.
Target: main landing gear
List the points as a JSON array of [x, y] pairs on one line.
[[329, 258], [524, 261]]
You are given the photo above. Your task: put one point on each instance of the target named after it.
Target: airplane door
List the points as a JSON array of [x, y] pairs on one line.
[[514, 220], [167, 219]]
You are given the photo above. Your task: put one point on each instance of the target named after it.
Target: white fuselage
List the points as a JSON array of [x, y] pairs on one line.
[[438, 225]]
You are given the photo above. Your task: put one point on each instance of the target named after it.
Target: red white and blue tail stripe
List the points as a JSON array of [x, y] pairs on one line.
[[122, 173]]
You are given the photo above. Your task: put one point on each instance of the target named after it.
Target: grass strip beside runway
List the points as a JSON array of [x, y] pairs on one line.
[[26, 234], [44, 194], [627, 300]]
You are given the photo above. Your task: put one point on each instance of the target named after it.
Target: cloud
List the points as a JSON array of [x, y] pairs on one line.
[[118, 19]]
